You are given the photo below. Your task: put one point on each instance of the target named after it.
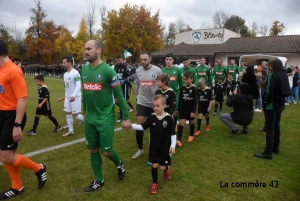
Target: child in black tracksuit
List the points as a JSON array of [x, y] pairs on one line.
[[219, 94]]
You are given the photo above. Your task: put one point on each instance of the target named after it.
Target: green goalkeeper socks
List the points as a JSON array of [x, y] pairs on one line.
[[96, 161]]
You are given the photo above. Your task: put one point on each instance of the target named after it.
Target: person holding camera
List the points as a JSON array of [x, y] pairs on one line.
[[242, 104]]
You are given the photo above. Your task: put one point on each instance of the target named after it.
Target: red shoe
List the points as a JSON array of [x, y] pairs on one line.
[[154, 188], [178, 143], [197, 133], [167, 173], [207, 127], [191, 138]]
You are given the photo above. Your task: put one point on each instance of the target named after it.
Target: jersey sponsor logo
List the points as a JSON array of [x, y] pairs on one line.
[[99, 77], [202, 73], [147, 83], [231, 71], [1, 88], [115, 82], [107, 147], [92, 86], [165, 124], [173, 78], [219, 73]]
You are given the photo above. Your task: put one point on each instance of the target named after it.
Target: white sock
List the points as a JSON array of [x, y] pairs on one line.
[[70, 122], [80, 118]]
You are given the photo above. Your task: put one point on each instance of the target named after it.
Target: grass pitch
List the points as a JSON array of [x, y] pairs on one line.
[[215, 166]]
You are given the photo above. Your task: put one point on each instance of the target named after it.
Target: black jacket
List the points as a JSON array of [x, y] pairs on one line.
[[250, 78], [277, 89], [242, 108]]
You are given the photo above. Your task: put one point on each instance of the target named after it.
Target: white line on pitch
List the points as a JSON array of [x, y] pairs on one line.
[[30, 154]]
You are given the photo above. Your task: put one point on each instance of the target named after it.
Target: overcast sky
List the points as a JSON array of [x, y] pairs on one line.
[[192, 12]]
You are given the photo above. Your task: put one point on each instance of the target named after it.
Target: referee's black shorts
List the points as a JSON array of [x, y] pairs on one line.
[[7, 120]]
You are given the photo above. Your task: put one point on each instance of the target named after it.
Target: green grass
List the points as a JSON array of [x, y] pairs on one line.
[[197, 167]]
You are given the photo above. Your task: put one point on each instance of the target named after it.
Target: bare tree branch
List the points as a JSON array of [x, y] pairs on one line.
[[91, 18]]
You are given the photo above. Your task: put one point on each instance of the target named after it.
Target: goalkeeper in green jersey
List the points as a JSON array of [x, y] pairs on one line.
[[100, 85]]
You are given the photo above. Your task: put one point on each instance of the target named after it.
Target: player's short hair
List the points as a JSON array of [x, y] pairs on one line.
[[201, 80], [169, 55], [159, 97], [119, 56], [188, 74], [185, 59], [69, 59], [242, 61], [147, 53], [3, 48], [164, 78], [230, 74], [39, 77], [15, 59], [202, 58], [98, 45], [221, 78], [109, 60]]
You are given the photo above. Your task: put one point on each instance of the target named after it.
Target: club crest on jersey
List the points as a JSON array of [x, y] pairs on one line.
[[165, 124], [191, 91], [174, 72], [1, 89], [205, 93], [99, 77], [153, 75], [166, 96], [69, 78]]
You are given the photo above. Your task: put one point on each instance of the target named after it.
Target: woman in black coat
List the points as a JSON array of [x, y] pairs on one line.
[[250, 78]]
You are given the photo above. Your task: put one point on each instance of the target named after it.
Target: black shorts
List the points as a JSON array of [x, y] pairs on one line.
[[203, 111], [7, 119], [185, 114], [44, 111], [157, 156], [219, 100], [143, 110], [125, 91]]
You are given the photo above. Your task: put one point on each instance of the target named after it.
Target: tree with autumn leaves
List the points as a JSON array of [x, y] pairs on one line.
[[131, 28]]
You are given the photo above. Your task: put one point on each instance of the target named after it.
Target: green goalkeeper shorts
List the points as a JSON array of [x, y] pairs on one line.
[[100, 136]]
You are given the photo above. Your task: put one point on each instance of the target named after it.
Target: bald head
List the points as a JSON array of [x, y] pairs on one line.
[[93, 50]]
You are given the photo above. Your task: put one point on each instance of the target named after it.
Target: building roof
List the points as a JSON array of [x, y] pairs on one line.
[[264, 44]]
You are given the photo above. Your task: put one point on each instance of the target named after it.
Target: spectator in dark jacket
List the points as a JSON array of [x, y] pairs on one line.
[[250, 78], [277, 89], [242, 109]]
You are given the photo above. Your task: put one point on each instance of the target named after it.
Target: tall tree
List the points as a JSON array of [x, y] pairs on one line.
[[11, 44], [219, 18], [237, 24], [81, 38], [277, 28], [254, 29], [40, 36], [91, 19], [64, 43], [263, 31], [132, 28]]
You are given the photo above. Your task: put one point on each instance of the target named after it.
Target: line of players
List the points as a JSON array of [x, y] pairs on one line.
[[184, 89]]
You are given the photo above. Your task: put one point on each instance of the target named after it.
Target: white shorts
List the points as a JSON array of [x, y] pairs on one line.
[[73, 107]]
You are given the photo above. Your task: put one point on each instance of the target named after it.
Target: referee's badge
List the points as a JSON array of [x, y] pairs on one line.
[[1, 89], [165, 124]]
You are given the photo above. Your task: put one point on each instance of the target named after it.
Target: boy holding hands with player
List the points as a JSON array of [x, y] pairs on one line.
[[162, 139]]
